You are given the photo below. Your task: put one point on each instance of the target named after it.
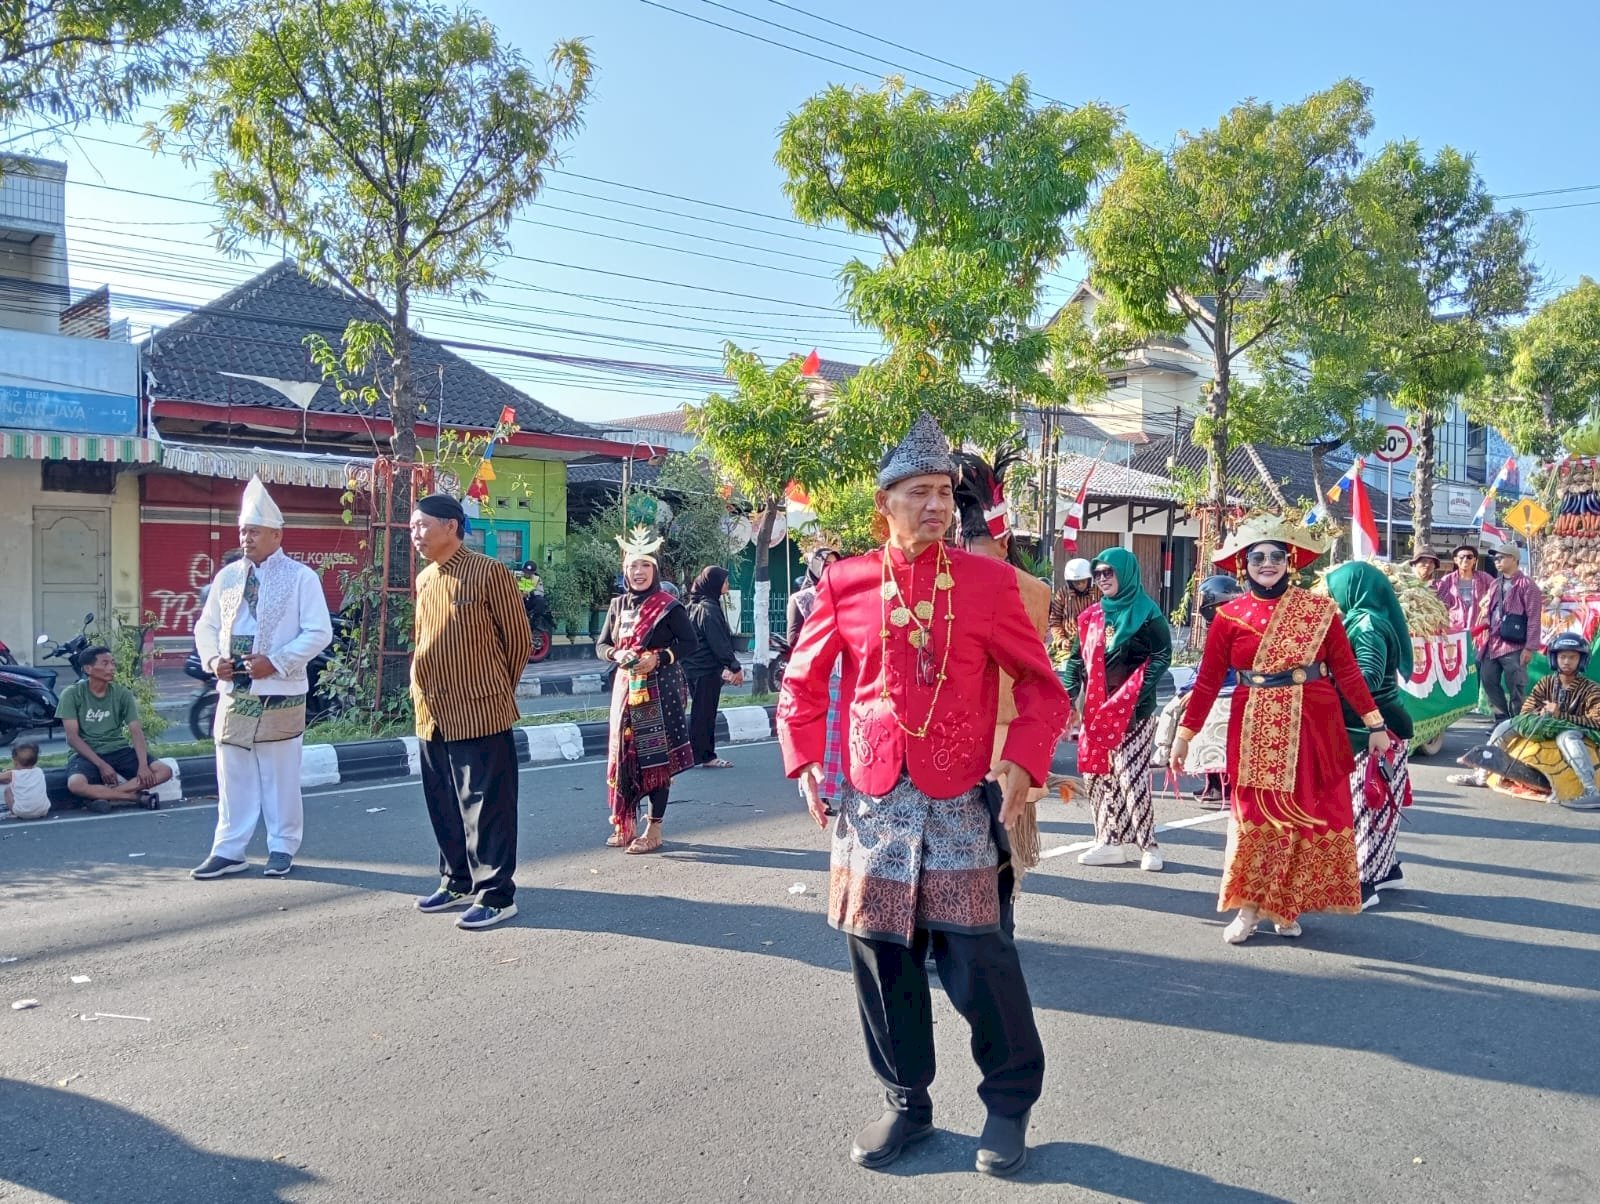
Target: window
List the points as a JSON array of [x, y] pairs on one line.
[[508, 547], [1477, 457], [77, 476]]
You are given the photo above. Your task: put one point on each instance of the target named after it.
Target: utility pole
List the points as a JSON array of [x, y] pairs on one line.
[[1169, 601]]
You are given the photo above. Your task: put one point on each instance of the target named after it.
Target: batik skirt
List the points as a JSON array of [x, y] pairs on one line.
[[1124, 812], [1378, 827], [906, 861]]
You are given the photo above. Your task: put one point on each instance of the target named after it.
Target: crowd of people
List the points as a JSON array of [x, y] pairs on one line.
[[928, 686]]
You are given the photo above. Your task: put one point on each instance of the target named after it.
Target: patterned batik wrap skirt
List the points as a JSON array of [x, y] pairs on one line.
[[1378, 827], [906, 861]]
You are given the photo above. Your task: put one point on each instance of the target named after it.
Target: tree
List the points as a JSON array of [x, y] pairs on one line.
[[74, 59], [969, 197], [1233, 232], [1544, 376], [1451, 271], [385, 143], [764, 438]]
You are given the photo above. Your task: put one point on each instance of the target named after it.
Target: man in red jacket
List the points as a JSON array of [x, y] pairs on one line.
[[924, 632]]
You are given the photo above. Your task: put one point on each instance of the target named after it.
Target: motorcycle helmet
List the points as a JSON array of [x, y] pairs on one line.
[[529, 567], [1078, 570], [1568, 641], [1214, 591]]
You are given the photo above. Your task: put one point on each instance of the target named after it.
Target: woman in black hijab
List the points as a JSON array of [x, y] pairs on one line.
[[710, 666]]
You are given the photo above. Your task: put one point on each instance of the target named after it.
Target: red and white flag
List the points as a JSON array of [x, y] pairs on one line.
[[812, 364], [1494, 533], [1363, 524], [1073, 523]]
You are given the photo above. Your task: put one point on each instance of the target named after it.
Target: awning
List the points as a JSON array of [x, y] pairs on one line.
[[110, 449], [275, 466]]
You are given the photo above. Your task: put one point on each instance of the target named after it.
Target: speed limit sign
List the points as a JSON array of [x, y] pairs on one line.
[[1396, 445]]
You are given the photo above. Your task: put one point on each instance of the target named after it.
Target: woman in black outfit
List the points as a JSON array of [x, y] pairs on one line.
[[710, 666], [648, 636]]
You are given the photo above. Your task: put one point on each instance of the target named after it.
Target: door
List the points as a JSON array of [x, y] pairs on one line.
[[71, 570], [1147, 548]]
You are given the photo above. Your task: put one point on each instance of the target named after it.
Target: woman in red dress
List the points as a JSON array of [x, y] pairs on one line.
[[1291, 842]]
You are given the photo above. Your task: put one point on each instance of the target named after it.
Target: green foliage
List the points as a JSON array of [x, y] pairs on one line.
[[1236, 230], [1447, 271], [845, 513], [385, 143], [1545, 377], [697, 535], [126, 640], [77, 59], [351, 678]]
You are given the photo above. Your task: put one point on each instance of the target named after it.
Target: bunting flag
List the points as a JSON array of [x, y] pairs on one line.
[[1073, 523], [812, 364], [1351, 476], [508, 416], [1363, 524], [1506, 475], [485, 470]]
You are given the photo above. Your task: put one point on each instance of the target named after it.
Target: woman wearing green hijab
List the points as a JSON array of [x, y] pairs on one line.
[[1382, 642], [1124, 647]]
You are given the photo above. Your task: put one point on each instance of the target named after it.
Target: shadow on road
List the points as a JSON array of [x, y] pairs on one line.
[[1095, 1168], [82, 1150]]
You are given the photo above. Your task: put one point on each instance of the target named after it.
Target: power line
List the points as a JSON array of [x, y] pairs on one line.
[[1512, 196]]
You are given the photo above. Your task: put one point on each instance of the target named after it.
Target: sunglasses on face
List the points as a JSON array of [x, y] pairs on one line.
[[1105, 574], [1267, 556]]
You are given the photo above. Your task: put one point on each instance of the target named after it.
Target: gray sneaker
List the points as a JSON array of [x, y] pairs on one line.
[[278, 865], [215, 867]]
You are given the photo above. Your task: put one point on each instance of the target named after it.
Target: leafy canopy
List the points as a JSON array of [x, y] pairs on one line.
[[764, 436], [1545, 379], [75, 59]]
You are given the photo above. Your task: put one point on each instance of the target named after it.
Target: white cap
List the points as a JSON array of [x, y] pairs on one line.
[[1078, 570], [258, 509]]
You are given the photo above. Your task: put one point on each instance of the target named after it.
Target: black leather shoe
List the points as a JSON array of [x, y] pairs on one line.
[[1003, 1148], [882, 1141]]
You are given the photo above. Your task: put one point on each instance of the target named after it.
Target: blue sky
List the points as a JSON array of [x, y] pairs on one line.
[[685, 108]]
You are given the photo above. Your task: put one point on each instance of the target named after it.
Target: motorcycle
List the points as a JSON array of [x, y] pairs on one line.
[[543, 625], [28, 697], [203, 710], [779, 661]]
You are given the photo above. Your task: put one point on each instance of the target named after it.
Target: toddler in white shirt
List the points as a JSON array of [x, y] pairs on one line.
[[26, 796]]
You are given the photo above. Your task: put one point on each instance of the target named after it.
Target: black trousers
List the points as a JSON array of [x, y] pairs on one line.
[[983, 978], [470, 787], [705, 696]]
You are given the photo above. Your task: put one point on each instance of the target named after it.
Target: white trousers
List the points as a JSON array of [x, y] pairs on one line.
[[252, 784]]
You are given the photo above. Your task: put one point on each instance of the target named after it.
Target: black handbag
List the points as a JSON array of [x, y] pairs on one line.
[[1513, 629]]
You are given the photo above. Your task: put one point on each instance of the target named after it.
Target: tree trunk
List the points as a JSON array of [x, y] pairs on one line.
[[760, 680], [1422, 483], [1217, 410], [1318, 454], [403, 403]]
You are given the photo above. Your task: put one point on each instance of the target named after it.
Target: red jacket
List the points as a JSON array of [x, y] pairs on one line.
[[991, 632]]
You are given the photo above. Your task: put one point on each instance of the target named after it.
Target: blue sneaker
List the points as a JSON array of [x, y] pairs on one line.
[[444, 899], [479, 916]]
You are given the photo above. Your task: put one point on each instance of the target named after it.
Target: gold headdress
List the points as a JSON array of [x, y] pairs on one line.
[[640, 546]]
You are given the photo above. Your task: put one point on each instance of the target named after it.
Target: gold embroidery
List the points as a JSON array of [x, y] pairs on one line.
[[1269, 735]]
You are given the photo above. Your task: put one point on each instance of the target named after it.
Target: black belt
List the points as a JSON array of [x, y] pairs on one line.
[[1297, 676]]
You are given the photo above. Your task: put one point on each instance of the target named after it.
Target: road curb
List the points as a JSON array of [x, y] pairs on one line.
[[399, 758]]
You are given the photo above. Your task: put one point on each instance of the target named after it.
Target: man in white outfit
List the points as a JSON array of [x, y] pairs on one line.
[[264, 619]]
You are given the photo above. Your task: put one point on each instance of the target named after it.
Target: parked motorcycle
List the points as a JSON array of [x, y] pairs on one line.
[[203, 710], [543, 625], [779, 661], [28, 697]]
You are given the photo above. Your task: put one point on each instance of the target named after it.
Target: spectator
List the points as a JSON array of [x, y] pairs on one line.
[[1463, 592], [711, 665], [1512, 614], [26, 796], [110, 764]]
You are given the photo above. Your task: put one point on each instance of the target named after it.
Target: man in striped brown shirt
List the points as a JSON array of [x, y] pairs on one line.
[[471, 644]]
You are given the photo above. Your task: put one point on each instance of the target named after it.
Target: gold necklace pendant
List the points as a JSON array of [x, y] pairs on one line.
[[924, 611], [900, 616], [918, 638], [890, 589], [944, 581]]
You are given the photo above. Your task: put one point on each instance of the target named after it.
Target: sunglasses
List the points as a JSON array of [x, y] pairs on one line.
[[1267, 556], [1105, 574]]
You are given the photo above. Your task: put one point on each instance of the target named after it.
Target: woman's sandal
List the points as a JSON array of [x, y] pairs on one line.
[[1240, 930], [643, 843], [716, 763], [615, 841]]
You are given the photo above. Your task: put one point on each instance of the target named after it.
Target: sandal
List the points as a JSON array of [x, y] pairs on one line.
[[648, 841], [615, 841], [716, 763], [1241, 929]]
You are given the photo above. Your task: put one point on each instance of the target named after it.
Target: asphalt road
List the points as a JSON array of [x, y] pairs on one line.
[[681, 1028]]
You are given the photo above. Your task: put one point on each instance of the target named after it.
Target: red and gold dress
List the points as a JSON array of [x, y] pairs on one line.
[[1291, 845]]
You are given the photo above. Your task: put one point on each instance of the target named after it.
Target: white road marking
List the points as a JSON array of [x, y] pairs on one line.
[[1193, 821]]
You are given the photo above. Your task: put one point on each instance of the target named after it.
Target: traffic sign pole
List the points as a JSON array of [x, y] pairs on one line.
[[1397, 444]]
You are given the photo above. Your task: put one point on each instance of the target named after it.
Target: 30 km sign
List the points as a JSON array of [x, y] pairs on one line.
[[1396, 445]]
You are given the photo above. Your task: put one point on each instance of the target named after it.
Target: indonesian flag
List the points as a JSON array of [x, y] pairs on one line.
[[1363, 525], [1490, 531], [1073, 523], [812, 364]]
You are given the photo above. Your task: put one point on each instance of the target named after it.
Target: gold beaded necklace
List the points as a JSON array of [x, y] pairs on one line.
[[920, 619]]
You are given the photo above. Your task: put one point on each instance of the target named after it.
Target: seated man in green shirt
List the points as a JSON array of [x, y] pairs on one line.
[[110, 763]]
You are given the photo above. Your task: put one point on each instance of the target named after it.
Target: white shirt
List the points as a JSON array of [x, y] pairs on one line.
[[290, 600], [29, 797]]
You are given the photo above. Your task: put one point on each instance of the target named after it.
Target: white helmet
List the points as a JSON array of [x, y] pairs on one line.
[[1078, 570]]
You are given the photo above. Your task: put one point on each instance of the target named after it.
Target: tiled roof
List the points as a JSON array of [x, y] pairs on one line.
[[609, 472], [673, 422], [1111, 480], [1288, 471], [257, 330], [836, 372]]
